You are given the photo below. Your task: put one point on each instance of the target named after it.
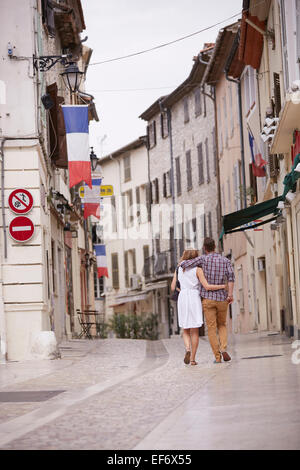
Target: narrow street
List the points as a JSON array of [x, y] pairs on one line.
[[136, 394]]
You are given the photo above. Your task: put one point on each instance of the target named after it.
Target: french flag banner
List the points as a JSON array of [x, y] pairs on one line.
[[100, 252], [77, 132], [91, 200], [258, 163]]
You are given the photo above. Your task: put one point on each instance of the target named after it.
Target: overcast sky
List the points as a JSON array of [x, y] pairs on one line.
[[125, 88]]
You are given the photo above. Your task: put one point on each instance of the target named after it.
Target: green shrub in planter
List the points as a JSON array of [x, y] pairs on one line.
[[135, 327]]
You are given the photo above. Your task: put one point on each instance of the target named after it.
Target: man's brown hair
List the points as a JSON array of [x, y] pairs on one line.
[[209, 244]]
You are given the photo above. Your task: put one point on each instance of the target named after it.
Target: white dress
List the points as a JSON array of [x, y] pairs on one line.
[[189, 300]]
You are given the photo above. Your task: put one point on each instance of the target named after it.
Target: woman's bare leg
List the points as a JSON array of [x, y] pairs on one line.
[[186, 335], [194, 341]]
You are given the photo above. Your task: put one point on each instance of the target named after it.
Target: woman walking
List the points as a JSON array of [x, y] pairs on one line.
[[189, 305]]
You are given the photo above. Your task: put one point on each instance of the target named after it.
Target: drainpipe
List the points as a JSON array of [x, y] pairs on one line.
[[238, 82], [292, 268], [145, 139], [213, 98], [169, 115]]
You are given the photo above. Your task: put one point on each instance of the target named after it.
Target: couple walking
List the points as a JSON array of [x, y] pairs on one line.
[[206, 284]]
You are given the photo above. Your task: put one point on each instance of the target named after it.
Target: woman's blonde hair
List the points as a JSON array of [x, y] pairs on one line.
[[189, 254]]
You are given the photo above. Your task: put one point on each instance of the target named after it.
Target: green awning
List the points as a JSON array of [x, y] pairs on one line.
[[245, 216]]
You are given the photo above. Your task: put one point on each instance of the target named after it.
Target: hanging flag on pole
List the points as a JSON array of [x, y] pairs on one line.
[[91, 199], [77, 131], [101, 260], [258, 163]]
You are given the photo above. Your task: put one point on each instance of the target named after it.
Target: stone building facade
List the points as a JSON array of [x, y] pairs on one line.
[[44, 280], [183, 182]]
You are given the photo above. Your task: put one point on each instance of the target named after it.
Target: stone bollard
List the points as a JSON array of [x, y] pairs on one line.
[[44, 346]]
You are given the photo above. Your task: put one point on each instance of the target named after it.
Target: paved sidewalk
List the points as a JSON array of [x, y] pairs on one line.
[[252, 404], [134, 394]]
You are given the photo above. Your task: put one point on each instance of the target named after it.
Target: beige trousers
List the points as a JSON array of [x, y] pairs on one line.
[[215, 313]]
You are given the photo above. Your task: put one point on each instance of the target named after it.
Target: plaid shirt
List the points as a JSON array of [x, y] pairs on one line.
[[217, 270]]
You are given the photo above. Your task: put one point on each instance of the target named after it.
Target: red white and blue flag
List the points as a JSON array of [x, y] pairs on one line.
[[100, 252], [258, 163], [77, 132], [91, 199]]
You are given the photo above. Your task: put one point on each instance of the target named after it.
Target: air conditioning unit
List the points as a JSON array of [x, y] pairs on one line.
[[135, 281]]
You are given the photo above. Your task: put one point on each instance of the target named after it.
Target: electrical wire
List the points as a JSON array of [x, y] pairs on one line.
[[165, 44]]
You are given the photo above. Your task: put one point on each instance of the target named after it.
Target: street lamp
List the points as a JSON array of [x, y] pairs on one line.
[[72, 77], [94, 159]]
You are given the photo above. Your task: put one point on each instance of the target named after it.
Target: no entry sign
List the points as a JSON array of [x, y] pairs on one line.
[[20, 201], [21, 229]]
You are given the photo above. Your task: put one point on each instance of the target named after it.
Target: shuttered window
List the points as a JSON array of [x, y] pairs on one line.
[[200, 164], [215, 156], [181, 239], [186, 109], [207, 160], [237, 185], [198, 107], [178, 176], [133, 261], [146, 261], [151, 130], [127, 168], [148, 200], [277, 96], [189, 170], [164, 125], [209, 224], [138, 203], [115, 270], [57, 131], [126, 269], [113, 213]]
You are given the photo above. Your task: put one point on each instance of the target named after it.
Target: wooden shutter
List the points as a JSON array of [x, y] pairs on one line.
[[200, 164], [189, 170], [237, 185], [146, 261], [181, 239], [165, 184], [133, 261], [207, 160], [197, 95], [178, 175], [48, 17], [164, 125], [209, 224], [214, 151], [127, 168], [194, 228], [277, 96], [156, 189], [152, 134], [57, 131], [126, 270], [115, 270], [186, 109]]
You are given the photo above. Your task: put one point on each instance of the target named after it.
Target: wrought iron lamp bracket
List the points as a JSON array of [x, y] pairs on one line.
[[46, 62]]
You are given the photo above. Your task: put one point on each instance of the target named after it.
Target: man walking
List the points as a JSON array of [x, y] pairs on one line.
[[217, 270]]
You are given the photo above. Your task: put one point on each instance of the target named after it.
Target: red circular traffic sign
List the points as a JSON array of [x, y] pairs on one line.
[[21, 229], [20, 201]]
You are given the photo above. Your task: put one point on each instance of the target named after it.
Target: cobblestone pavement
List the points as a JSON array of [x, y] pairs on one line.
[[119, 394]]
